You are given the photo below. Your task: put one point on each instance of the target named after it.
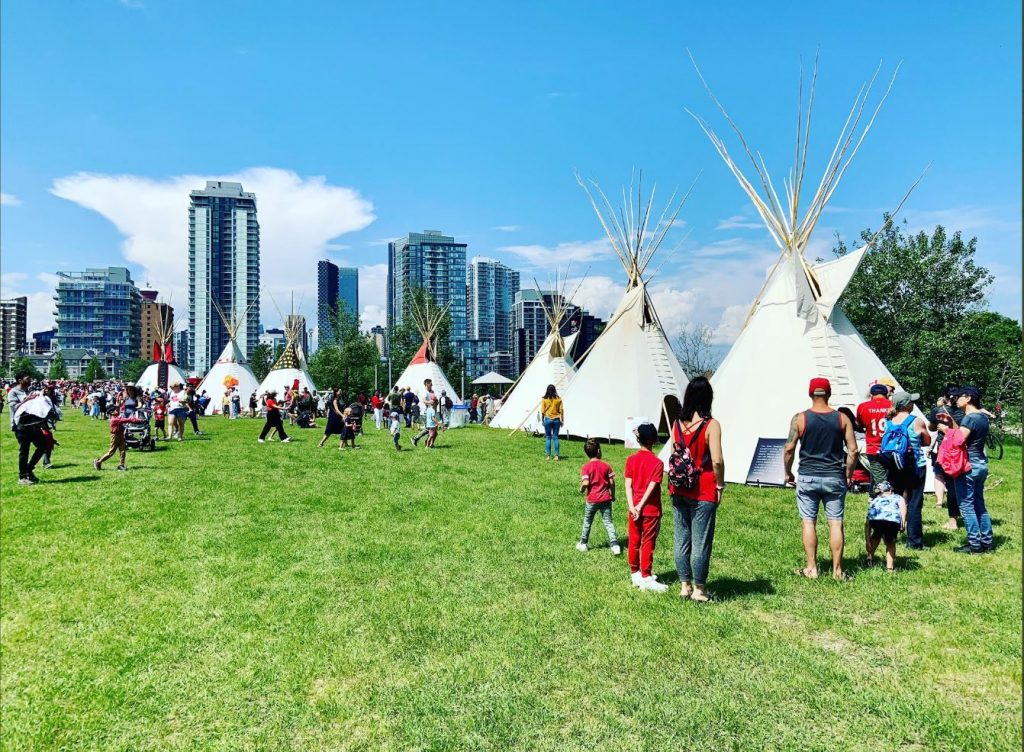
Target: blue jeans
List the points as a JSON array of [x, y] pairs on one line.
[[551, 428], [694, 532], [970, 494]]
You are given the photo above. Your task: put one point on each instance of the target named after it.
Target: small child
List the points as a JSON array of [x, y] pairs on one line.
[[117, 443], [597, 481], [348, 434], [396, 430], [159, 416], [887, 516], [430, 423], [643, 497]]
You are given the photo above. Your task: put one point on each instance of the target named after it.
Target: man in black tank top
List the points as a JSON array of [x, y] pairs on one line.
[[828, 456]]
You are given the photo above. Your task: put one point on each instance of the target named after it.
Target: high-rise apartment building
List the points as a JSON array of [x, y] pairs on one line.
[[223, 268], [181, 351], [13, 327], [491, 289], [45, 341], [99, 310], [435, 262], [156, 318], [335, 285]]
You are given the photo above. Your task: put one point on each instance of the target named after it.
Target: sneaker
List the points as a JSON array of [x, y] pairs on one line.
[[967, 550], [48, 466], [32, 477], [922, 547], [581, 546], [122, 468], [616, 551], [285, 441], [26, 482], [96, 465], [635, 578], [413, 442], [262, 441], [652, 584]]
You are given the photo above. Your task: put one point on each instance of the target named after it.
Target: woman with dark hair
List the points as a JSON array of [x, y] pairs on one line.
[[335, 418], [552, 413], [696, 494], [970, 488], [274, 422]]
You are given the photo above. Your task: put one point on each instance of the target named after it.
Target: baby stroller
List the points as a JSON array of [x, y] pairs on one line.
[[140, 435]]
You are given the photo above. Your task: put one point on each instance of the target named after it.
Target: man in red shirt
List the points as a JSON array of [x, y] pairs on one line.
[[643, 496], [871, 419]]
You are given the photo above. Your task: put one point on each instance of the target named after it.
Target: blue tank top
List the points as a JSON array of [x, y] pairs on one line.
[[915, 441], [823, 445]]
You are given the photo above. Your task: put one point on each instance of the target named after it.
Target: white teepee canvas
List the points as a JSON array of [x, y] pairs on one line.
[[163, 371], [795, 330], [423, 366], [630, 371], [291, 368], [229, 370]]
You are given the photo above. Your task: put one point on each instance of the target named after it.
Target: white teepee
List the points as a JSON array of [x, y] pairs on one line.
[[230, 370], [291, 369], [795, 330], [552, 364], [427, 319], [630, 371], [163, 371]]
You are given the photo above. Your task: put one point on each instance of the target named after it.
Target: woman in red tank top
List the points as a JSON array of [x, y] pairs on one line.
[[694, 509]]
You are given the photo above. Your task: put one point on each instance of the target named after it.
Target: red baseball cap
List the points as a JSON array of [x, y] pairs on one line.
[[819, 387]]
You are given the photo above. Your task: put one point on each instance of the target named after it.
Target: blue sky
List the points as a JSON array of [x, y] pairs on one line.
[[356, 124]]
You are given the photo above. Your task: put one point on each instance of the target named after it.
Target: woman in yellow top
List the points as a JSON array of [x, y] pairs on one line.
[[553, 416]]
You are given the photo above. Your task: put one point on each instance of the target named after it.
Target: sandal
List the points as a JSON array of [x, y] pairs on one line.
[[685, 591], [703, 598], [804, 572]]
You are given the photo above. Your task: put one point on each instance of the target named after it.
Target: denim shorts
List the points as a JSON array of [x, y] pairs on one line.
[[812, 491]]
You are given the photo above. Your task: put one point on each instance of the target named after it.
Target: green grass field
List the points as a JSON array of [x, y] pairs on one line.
[[225, 595]]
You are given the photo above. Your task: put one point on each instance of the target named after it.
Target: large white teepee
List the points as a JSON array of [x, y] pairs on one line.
[[291, 367], [552, 364], [163, 371], [427, 319], [630, 371], [795, 330], [230, 370]]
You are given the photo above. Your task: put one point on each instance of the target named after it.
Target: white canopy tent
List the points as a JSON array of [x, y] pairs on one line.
[[492, 378], [630, 371], [795, 330], [230, 370], [427, 318]]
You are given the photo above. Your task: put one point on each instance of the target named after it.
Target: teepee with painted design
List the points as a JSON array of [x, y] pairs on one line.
[[231, 371], [164, 369], [290, 371], [795, 329], [630, 371]]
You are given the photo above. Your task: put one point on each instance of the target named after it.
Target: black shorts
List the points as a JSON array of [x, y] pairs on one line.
[[884, 529], [907, 479]]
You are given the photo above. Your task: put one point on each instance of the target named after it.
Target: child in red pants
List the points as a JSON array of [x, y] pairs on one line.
[[643, 495]]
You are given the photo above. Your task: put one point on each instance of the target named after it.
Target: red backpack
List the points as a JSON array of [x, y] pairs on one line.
[[952, 455]]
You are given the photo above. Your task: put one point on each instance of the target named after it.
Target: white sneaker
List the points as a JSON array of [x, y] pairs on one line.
[[652, 584], [262, 441], [581, 546], [285, 441], [636, 579], [616, 550]]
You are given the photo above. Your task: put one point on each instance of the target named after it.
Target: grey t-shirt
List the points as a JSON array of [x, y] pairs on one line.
[[978, 424]]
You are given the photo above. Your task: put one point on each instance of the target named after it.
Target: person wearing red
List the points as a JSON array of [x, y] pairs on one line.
[[597, 481], [694, 509], [871, 419], [378, 409], [643, 497], [160, 418], [117, 442], [274, 421]]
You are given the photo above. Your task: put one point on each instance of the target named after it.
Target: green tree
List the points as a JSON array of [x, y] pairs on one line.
[[345, 358], [58, 368], [913, 299], [405, 339], [260, 361], [24, 363], [94, 371], [133, 370]]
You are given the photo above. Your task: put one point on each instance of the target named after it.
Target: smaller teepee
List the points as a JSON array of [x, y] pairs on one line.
[[551, 365], [427, 318], [291, 369], [230, 370], [163, 371]]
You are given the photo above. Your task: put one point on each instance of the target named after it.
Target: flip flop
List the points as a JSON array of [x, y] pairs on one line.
[[802, 572]]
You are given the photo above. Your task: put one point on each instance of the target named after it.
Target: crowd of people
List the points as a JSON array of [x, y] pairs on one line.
[[883, 447]]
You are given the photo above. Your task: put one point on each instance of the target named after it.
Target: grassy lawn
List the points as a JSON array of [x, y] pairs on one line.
[[229, 595]]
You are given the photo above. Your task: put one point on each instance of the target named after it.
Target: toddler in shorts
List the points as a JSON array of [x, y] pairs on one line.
[[887, 516]]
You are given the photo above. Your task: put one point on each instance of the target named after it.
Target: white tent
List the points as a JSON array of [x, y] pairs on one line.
[[630, 371], [163, 371], [230, 370], [423, 366], [795, 330], [552, 364], [290, 370]]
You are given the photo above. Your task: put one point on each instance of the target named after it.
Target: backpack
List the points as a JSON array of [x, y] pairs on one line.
[[953, 454], [895, 449], [448, 404], [683, 471]]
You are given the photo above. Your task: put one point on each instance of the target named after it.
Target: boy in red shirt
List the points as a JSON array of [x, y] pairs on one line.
[[872, 417], [117, 443], [643, 496], [597, 481]]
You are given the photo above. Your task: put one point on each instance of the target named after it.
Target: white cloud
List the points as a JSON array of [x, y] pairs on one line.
[[547, 257], [381, 241], [298, 219], [739, 222], [9, 199], [599, 295], [508, 228], [373, 281], [730, 324], [39, 309], [967, 219]]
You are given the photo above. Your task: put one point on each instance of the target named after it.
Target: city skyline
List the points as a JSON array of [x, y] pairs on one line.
[[95, 172]]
